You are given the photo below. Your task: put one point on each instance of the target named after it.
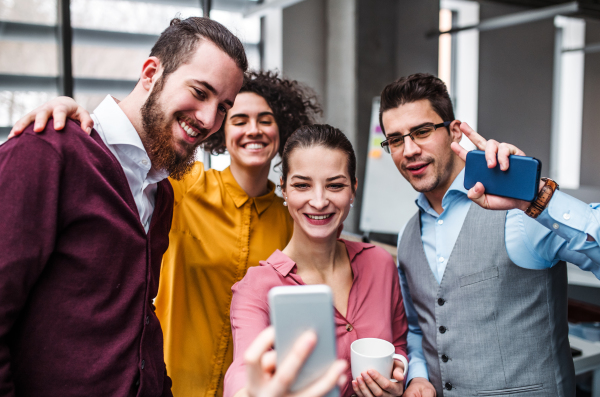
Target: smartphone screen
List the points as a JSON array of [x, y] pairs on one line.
[[295, 309], [520, 181]]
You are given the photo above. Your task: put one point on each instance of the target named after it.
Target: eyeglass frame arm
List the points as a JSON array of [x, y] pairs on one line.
[[386, 144]]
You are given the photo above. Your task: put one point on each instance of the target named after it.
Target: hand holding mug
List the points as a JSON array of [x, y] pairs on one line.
[[374, 362], [371, 383]]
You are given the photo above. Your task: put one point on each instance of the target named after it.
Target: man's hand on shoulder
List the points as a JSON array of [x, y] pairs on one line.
[[419, 387], [60, 109]]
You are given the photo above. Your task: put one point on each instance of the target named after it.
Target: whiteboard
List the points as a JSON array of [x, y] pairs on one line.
[[388, 199]]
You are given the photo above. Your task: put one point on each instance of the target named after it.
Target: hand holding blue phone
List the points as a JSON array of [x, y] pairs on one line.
[[498, 153]]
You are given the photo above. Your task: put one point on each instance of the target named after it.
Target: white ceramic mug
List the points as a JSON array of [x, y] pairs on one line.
[[374, 353]]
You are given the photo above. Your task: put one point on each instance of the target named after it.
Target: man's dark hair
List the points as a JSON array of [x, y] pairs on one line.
[[292, 103], [414, 88], [179, 41], [324, 135]]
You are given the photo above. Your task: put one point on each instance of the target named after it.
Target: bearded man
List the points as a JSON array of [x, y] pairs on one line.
[[85, 222]]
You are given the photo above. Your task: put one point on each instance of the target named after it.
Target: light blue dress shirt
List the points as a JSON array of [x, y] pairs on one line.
[[560, 233]]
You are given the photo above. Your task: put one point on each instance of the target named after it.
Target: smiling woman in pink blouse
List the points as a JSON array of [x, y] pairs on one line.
[[319, 185]]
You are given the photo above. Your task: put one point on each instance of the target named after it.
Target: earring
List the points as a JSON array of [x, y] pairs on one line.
[[351, 205], [285, 202]]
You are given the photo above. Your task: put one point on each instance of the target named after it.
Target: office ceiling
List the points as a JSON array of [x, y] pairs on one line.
[[546, 3], [587, 8]]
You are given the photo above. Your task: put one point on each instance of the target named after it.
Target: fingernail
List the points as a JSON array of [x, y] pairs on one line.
[[371, 372], [88, 130]]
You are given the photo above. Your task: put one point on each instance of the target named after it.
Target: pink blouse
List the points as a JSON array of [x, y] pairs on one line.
[[375, 308]]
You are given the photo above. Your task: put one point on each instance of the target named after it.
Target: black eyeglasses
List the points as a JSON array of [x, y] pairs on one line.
[[418, 136]]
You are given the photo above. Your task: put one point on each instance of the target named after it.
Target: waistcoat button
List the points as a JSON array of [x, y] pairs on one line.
[[147, 320], [442, 329], [441, 302], [349, 327], [448, 386], [444, 358], [143, 364]]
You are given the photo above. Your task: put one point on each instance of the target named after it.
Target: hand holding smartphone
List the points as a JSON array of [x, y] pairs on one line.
[[506, 194], [296, 309], [520, 181]]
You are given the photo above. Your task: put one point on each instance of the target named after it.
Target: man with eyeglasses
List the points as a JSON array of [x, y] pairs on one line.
[[485, 291]]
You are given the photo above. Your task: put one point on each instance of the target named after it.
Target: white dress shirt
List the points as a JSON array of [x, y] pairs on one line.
[[122, 139]]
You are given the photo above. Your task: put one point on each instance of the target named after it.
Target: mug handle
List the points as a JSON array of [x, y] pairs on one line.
[[404, 361]]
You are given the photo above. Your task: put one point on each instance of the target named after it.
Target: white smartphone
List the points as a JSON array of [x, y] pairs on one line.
[[295, 309]]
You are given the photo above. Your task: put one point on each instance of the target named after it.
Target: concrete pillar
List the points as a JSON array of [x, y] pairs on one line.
[[304, 44], [348, 50], [341, 79]]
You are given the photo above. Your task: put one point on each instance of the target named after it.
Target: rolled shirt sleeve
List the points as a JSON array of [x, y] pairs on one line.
[[559, 233]]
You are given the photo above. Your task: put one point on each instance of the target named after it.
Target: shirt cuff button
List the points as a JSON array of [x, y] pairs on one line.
[[555, 225]]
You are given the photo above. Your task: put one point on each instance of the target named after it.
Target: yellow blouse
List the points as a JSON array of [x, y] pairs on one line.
[[217, 233]]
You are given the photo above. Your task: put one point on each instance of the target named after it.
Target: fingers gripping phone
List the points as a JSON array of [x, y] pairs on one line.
[[295, 309], [520, 181]]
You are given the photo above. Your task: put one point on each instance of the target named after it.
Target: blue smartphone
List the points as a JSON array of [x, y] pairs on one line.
[[520, 181]]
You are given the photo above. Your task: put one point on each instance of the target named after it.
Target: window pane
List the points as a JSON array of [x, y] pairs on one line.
[[16, 104], [29, 58], [108, 62], [247, 29], [29, 11], [126, 16]]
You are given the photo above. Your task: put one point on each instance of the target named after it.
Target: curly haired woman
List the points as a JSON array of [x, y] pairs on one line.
[[223, 223]]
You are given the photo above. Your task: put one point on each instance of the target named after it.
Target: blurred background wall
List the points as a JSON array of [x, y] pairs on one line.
[[503, 81]]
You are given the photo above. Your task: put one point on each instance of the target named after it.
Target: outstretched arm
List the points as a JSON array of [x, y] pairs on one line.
[[571, 227], [60, 109]]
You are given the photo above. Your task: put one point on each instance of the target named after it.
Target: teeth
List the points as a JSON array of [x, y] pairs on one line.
[[318, 217], [255, 146], [187, 128]]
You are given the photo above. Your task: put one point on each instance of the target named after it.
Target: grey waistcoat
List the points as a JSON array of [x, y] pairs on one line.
[[491, 327]]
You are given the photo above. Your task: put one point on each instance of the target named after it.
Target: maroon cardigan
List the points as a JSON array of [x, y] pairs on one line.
[[78, 273]]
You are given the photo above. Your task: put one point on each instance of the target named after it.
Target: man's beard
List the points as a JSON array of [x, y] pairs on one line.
[[424, 186], [158, 137]]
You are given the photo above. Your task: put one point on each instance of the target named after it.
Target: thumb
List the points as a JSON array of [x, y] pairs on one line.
[[477, 195]]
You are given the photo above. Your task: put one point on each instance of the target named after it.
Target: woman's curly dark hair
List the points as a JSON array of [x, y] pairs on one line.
[[293, 104]]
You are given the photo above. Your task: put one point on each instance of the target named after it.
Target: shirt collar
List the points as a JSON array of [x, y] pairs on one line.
[[455, 191], [118, 130], [239, 196], [284, 265]]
